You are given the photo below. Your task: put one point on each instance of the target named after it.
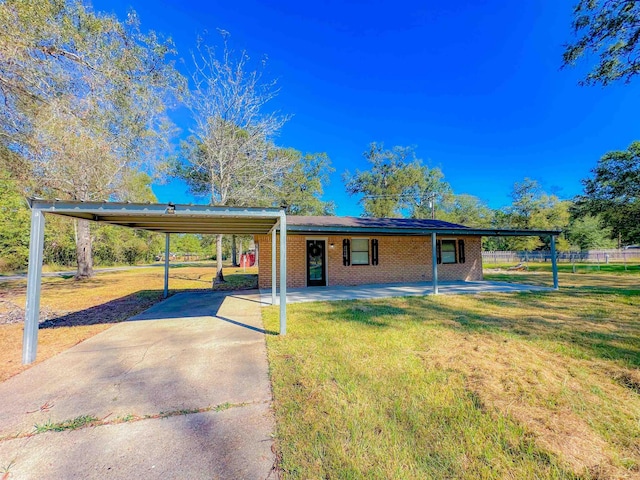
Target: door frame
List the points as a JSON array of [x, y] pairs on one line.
[[326, 260]]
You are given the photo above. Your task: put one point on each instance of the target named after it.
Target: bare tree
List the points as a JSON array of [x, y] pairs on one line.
[[230, 157]]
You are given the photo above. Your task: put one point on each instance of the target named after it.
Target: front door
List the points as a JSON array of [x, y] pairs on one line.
[[316, 258]]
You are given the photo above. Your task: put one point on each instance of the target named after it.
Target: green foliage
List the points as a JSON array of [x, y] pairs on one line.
[[75, 85], [588, 232], [466, 210], [609, 29], [531, 208], [186, 243], [301, 187], [15, 221], [136, 187], [397, 184], [59, 241], [117, 245], [613, 193], [84, 97]]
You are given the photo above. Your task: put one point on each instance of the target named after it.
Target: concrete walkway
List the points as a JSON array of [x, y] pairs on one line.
[[182, 392], [332, 293]]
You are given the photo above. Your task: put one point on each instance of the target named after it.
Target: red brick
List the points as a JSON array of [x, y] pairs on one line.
[[401, 259]]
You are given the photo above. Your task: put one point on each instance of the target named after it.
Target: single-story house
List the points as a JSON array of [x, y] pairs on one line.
[[322, 250], [327, 250]]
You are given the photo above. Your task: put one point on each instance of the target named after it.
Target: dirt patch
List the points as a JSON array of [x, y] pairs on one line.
[[61, 330], [553, 397], [11, 313], [627, 378]]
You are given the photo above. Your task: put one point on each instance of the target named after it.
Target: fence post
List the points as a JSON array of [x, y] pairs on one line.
[[554, 262]]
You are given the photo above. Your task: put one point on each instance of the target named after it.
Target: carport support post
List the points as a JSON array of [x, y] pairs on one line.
[[32, 314], [554, 262], [283, 274], [166, 266], [273, 266], [434, 263]]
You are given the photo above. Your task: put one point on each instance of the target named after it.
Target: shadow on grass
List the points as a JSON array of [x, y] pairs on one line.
[[113, 311], [580, 321], [205, 303], [372, 313]]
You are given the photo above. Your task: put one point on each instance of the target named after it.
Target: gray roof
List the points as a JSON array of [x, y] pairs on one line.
[[394, 226], [176, 218]]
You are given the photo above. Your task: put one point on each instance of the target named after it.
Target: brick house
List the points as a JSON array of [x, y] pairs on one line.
[[324, 251]]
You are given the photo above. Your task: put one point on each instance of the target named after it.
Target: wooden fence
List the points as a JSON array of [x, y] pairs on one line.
[[585, 256]]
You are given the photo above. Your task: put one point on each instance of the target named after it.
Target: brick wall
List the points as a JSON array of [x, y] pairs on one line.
[[401, 259]]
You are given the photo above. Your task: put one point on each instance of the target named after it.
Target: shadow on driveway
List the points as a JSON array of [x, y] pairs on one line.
[[183, 393]]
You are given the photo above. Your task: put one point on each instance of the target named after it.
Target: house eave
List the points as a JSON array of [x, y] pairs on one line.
[[341, 230]]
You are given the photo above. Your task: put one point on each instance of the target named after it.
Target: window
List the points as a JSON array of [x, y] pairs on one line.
[[448, 249], [360, 251]]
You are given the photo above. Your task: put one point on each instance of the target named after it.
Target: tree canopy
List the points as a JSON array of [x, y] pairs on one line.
[[300, 188], [396, 184], [613, 193], [531, 208], [609, 29], [84, 96]]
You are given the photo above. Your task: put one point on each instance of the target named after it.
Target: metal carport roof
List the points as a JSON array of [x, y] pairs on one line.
[[168, 218], [162, 218]]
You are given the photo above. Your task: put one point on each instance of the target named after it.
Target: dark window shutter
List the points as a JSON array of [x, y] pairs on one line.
[[461, 251], [374, 251], [439, 251], [346, 252]]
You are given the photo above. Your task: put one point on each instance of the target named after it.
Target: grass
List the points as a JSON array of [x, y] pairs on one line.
[[531, 385], [563, 267], [84, 421], [81, 309], [74, 424]]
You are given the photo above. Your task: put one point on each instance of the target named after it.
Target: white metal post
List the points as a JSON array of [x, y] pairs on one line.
[[34, 279], [166, 266], [283, 274], [554, 262], [434, 263], [273, 266]]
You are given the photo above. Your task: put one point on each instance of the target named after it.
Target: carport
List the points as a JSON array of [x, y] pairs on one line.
[[161, 218]]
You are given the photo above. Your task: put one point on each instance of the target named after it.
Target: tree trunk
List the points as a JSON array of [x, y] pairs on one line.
[[257, 253], [84, 251], [234, 253], [219, 276]]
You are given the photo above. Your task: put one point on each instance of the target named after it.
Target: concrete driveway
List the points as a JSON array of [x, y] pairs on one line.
[[180, 391]]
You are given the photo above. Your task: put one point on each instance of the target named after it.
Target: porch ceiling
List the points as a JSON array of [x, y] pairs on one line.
[[168, 218]]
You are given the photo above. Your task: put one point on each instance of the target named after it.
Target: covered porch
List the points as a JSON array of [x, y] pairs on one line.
[[388, 290]]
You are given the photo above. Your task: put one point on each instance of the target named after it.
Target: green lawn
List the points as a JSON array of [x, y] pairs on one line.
[[531, 385], [582, 268]]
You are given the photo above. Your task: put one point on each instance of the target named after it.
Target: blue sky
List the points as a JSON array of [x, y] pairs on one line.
[[474, 85]]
